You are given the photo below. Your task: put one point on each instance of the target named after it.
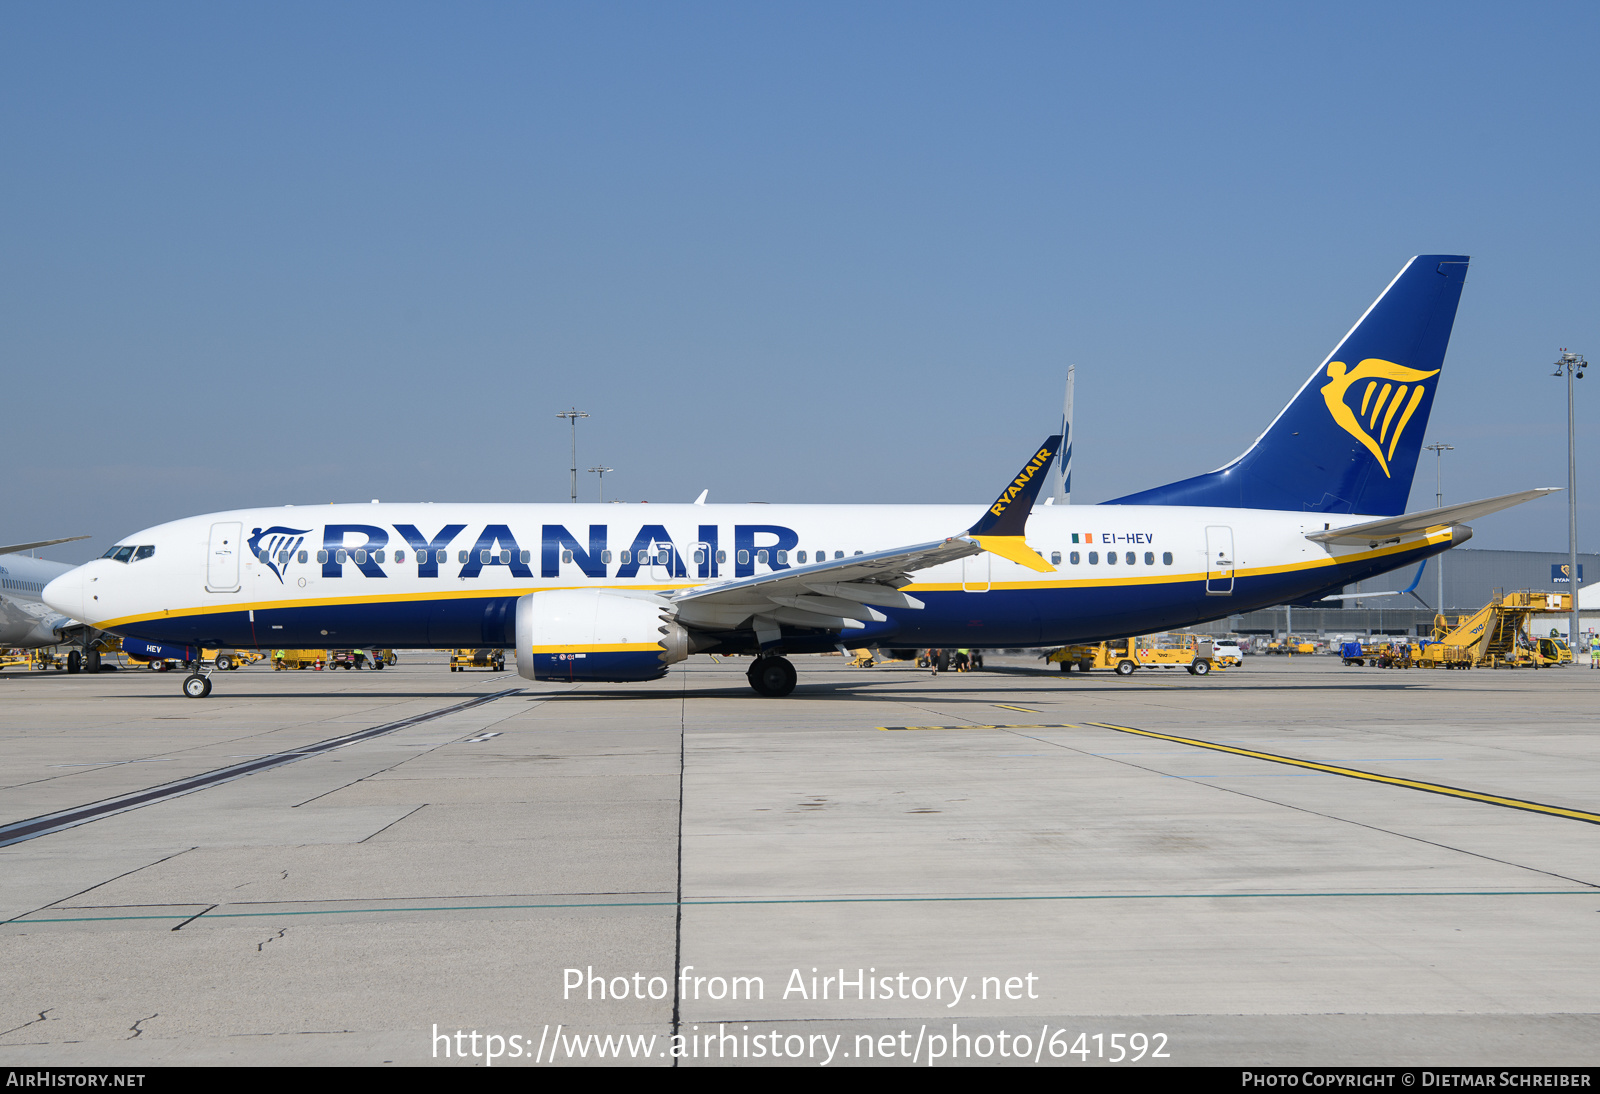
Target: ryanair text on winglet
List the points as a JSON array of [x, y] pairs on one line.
[[1020, 481]]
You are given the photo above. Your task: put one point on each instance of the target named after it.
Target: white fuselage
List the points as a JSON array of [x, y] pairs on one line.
[[423, 574]]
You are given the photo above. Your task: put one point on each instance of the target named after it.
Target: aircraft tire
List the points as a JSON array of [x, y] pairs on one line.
[[1125, 668], [196, 686], [74, 662], [773, 677], [91, 663]]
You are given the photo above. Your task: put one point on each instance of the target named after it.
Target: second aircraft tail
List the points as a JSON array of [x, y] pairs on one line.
[[1348, 441]]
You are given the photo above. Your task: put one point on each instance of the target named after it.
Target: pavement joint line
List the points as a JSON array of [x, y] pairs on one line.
[[18, 831], [817, 900], [977, 725], [1368, 776]]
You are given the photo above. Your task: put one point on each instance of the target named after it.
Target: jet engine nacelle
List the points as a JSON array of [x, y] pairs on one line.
[[597, 634]]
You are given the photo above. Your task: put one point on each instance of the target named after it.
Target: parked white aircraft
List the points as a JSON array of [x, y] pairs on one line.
[[618, 593], [26, 622]]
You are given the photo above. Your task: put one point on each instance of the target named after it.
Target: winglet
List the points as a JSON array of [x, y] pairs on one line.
[[1000, 529]]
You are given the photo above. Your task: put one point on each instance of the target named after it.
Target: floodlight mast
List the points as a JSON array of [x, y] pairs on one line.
[[574, 414], [1569, 364], [1438, 450]]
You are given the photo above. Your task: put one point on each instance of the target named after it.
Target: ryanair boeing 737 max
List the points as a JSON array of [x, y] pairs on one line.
[[620, 592]]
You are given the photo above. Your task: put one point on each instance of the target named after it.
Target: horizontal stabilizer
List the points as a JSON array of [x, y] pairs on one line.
[[1412, 523], [15, 547]]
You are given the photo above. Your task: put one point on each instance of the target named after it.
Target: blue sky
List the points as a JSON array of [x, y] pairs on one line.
[[255, 254]]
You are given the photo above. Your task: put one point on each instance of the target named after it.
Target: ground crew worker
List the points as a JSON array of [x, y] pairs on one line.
[[1594, 650]]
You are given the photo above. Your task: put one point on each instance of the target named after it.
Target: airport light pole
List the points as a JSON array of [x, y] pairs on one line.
[[1569, 364], [1438, 450], [574, 414], [601, 471]]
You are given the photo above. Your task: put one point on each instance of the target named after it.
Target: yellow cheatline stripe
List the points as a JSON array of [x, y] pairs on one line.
[[1355, 773], [898, 729], [619, 647], [348, 601], [472, 594], [1431, 538]]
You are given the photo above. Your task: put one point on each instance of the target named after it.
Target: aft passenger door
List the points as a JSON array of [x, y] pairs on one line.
[[1219, 560], [222, 558]]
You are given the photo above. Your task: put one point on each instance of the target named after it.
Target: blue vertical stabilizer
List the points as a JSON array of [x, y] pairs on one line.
[[1348, 442]]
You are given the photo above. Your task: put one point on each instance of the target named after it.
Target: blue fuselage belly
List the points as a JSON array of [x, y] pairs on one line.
[[1000, 617]]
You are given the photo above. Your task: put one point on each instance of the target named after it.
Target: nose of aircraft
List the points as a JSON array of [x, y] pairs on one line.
[[66, 594]]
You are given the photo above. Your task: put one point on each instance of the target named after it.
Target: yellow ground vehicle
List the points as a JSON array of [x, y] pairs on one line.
[[284, 660], [227, 660], [1555, 651], [1496, 635], [1191, 651], [462, 660], [862, 659], [1126, 655]]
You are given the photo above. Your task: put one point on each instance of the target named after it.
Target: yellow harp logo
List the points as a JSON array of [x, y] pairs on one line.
[[1384, 397]]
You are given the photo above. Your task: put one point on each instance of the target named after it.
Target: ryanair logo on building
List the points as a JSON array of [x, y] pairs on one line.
[[1390, 395]]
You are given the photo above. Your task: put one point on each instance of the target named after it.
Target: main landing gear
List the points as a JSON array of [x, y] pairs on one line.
[[773, 677]]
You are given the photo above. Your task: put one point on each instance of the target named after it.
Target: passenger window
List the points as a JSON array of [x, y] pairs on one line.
[[377, 556], [1130, 558], [263, 556], [505, 558], [800, 557], [1166, 558], [527, 557], [1074, 557], [143, 552], [461, 556], [783, 557], [722, 556], [700, 556], [605, 558], [322, 556], [302, 557], [1111, 558], [339, 556], [1094, 558], [1149, 558], [361, 556], [1055, 558], [761, 557], [744, 558], [858, 552], [627, 557], [566, 556]]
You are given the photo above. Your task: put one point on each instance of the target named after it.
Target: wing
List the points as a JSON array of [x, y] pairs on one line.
[[844, 594]]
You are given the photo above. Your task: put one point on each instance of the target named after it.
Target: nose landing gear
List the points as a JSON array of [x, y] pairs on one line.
[[197, 685]]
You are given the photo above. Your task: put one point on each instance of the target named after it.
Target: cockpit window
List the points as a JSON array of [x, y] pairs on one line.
[[143, 552], [123, 554], [111, 551]]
